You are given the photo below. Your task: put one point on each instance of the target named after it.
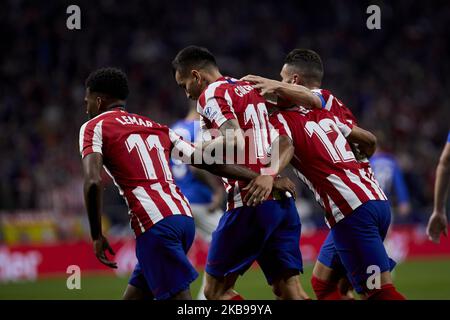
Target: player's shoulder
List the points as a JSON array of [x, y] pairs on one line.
[[99, 119], [224, 87], [215, 88]]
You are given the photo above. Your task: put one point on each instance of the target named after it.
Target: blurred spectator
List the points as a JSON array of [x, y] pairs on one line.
[[390, 177], [394, 79]]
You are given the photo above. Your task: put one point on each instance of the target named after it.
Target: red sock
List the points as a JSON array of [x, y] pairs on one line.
[[325, 290], [387, 292], [237, 297]]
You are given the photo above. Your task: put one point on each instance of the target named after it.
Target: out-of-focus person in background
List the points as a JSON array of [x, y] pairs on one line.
[[390, 176], [203, 190], [437, 224]]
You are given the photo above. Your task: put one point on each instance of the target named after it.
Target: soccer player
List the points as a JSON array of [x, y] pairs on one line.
[[134, 151], [302, 75], [356, 209], [437, 224], [268, 233], [203, 190]]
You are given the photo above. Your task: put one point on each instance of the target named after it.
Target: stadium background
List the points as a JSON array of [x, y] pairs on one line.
[[395, 80]]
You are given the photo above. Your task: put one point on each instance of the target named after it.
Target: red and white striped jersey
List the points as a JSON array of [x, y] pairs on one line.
[[335, 106], [227, 99], [340, 110], [136, 152], [325, 163]]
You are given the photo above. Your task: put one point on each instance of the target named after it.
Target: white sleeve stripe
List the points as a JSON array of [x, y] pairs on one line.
[[173, 136], [230, 102], [329, 102], [185, 149], [211, 90], [81, 140], [97, 138], [285, 125]]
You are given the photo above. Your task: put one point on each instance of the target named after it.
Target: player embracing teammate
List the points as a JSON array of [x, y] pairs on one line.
[[356, 209], [269, 232]]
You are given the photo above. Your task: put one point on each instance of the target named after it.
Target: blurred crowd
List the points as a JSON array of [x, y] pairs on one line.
[[395, 79]]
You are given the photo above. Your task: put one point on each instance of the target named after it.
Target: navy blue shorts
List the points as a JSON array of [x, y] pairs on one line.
[[163, 267], [356, 242], [268, 233]]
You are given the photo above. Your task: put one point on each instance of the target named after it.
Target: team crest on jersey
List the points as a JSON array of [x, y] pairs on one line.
[[208, 112]]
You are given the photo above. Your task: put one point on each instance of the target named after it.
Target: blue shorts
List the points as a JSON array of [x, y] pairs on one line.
[[356, 242], [268, 233], [163, 267]]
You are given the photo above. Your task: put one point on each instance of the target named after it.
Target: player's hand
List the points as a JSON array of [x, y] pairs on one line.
[[264, 85], [100, 246], [259, 189], [437, 225], [285, 184]]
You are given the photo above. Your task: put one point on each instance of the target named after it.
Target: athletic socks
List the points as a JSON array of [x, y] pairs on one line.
[[325, 290], [386, 292]]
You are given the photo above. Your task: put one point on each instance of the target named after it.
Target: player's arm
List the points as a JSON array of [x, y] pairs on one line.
[[200, 157], [438, 219], [92, 167], [366, 141], [296, 94], [282, 153]]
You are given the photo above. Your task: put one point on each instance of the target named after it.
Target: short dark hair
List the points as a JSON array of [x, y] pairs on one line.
[[192, 57], [307, 62], [112, 82]]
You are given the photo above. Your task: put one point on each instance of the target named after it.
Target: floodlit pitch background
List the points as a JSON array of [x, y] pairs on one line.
[[394, 79]]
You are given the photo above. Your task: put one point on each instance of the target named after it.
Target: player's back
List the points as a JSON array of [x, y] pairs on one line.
[[195, 190], [228, 99], [324, 161], [331, 103], [136, 152]]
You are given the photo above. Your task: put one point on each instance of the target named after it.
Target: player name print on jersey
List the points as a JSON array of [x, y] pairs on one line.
[[136, 153], [231, 99]]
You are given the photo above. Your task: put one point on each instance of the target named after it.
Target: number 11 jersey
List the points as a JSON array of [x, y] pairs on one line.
[[136, 153]]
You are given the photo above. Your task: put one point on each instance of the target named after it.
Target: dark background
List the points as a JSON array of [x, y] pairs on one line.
[[395, 79]]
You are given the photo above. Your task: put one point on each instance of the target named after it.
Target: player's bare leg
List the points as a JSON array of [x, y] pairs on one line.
[[134, 293], [325, 282], [288, 287], [346, 289], [221, 288]]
